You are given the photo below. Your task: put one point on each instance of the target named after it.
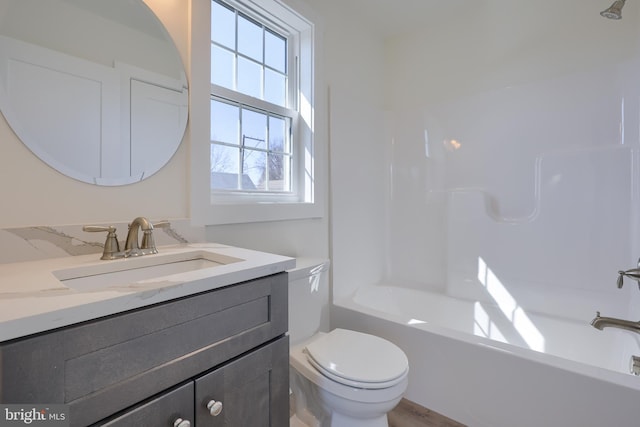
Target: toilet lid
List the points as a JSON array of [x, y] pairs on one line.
[[358, 359]]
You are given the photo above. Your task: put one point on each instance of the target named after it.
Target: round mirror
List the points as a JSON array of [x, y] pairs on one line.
[[95, 88]]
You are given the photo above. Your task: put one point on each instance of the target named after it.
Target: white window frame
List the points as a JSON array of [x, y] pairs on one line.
[[209, 208]]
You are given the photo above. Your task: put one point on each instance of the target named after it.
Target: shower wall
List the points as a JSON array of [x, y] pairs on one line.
[[511, 154]]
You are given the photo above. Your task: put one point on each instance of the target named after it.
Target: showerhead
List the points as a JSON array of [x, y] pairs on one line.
[[614, 11]]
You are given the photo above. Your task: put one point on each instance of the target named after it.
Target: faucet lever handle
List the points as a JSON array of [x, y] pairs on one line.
[[620, 278], [98, 228], [111, 244], [633, 273], [148, 244]]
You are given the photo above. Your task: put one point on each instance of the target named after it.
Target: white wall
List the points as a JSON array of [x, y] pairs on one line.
[[354, 73], [515, 146]]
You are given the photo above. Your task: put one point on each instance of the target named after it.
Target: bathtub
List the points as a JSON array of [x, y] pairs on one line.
[[484, 367]]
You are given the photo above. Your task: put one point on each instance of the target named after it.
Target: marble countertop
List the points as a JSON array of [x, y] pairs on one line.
[[34, 297]]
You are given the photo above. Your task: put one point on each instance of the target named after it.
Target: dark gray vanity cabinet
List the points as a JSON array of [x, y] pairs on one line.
[[249, 392], [223, 352]]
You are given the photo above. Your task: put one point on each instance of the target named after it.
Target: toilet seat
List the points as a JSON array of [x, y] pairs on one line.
[[357, 360]]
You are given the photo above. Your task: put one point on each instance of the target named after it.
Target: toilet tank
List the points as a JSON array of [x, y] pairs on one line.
[[308, 298]]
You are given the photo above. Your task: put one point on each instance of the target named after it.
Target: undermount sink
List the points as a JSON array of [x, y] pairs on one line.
[[129, 271]]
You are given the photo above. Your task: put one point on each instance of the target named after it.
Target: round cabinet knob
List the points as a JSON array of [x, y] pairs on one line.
[[181, 423], [214, 408]]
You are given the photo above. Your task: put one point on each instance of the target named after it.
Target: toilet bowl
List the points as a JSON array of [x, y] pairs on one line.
[[339, 378], [349, 379]]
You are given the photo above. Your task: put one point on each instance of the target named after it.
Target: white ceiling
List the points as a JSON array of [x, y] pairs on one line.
[[391, 17]]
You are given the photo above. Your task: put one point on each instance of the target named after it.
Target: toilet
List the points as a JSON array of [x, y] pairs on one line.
[[339, 378]]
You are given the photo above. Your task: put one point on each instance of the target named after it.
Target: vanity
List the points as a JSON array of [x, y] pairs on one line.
[[197, 338], [192, 335]]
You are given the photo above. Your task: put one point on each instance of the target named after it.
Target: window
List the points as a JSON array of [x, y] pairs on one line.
[[256, 153], [257, 111]]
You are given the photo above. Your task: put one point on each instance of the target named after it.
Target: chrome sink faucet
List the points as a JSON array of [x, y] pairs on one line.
[[133, 247]]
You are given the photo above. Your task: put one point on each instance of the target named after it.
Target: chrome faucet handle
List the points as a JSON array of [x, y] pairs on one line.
[[148, 244], [111, 244], [633, 273]]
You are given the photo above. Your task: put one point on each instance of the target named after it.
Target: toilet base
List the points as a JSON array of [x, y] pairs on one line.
[[315, 407], [339, 420]]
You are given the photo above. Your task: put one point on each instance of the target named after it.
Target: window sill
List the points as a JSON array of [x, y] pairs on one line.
[[259, 212]]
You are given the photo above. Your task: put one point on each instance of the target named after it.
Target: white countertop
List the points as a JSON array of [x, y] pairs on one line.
[[33, 299]]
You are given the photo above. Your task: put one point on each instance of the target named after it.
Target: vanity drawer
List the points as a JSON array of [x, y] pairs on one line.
[[103, 366], [162, 411]]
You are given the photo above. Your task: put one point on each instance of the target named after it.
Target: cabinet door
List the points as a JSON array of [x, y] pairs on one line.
[[160, 412], [252, 391]]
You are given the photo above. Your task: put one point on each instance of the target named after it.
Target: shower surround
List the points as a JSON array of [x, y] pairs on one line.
[[513, 142], [513, 151], [508, 170]]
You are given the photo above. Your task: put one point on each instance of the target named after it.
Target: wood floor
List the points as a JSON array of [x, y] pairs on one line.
[[409, 414]]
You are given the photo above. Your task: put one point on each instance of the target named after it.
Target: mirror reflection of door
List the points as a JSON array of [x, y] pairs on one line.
[[95, 89], [158, 115]]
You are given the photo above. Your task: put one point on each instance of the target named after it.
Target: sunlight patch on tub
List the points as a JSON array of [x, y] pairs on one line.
[[415, 322], [484, 326], [509, 307]]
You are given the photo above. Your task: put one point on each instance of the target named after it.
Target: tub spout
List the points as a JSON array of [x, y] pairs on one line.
[[599, 322]]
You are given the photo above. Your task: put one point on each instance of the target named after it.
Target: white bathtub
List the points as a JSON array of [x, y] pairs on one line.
[[486, 367]]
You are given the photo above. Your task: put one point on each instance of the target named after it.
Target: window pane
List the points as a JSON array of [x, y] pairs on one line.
[[249, 38], [224, 167], [249, 78], [277, 135], [254, 129], [254, 166], [275, 52], [222, 67], [275, 87], [223, 25], [278, 172], [224, 123]]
